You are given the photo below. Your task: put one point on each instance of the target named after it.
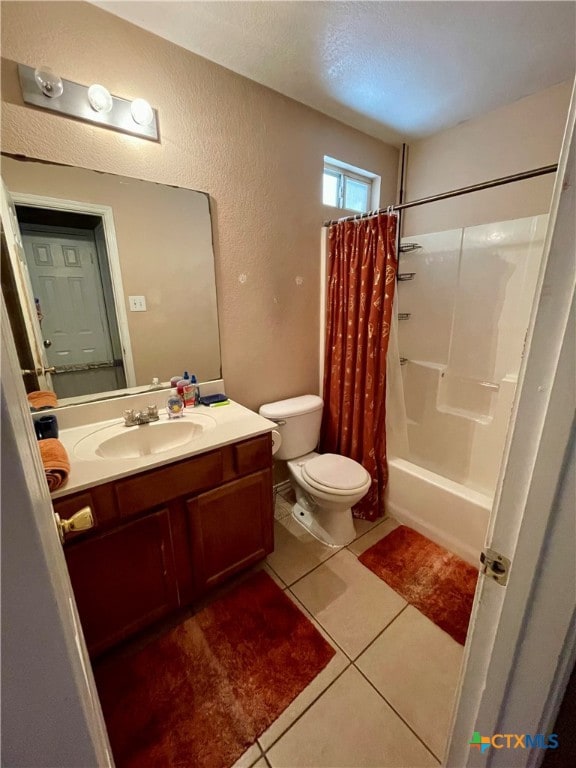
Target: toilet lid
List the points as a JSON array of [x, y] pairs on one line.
[[334, 471]]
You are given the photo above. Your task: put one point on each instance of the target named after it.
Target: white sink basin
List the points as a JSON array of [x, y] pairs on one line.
[[120, 442]]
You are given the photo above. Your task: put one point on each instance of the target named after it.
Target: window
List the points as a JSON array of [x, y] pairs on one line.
[[347, 187]]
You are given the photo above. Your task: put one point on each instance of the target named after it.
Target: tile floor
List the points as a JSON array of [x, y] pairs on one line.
[[385, 698]]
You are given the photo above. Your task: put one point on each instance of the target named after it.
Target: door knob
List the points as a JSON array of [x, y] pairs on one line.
[[80, 521]]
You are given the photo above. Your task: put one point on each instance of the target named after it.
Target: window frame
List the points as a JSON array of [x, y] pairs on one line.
[[343, 171]]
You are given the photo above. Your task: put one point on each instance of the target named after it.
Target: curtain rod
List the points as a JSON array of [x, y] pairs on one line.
[[545, 169]]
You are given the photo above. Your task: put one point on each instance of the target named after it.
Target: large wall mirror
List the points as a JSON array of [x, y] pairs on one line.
[[118, 275]]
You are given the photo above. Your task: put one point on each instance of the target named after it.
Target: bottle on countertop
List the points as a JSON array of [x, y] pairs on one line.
[[196, 389], [175, 405], [183, 381]]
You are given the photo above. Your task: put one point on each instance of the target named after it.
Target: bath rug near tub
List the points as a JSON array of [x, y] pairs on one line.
[[435, 581], [200, 695]]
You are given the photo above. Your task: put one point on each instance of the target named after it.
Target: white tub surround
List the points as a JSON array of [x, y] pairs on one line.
[[449, 513], [466, 313], [464, 308]]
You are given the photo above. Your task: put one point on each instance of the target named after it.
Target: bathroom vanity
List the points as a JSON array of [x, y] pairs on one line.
[[168, 529]]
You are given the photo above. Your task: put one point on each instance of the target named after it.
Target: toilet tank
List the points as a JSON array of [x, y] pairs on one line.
[[301, 431]]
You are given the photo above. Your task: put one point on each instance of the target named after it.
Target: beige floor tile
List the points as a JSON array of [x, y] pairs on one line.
[[249, 757], [349, 726], [350, 602], [363, 526], [282, 508], [261, 763], [296, 552], [373, 535], [335, 667], [263, 566], [416, 666]]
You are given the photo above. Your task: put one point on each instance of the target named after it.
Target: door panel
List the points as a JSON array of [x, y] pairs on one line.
[[123, 580], [66, 280], [231, 528]]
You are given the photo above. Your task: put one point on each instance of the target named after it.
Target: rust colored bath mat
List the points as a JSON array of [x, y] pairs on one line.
[[201, 694], [435, 581]]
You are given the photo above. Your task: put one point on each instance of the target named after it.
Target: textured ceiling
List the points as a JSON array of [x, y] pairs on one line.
[[395, 69]]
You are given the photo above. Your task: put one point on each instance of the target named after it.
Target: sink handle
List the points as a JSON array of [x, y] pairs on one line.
[[130, 418]]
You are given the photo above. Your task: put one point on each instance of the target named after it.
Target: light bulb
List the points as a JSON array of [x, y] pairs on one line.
[[49, 83], [142, 112], [100, 99]]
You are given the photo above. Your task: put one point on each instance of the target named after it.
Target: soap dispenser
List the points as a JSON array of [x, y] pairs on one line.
[[175, 405], [196, 390]]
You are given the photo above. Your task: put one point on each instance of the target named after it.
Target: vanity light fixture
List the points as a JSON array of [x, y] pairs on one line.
[[141, 112], [49, 82], [100, 99], [95, 104]]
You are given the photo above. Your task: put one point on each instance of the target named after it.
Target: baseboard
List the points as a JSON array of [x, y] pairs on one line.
[[283, 486]]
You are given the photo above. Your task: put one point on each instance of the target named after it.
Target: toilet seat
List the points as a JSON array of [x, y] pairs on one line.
[[335, 474]]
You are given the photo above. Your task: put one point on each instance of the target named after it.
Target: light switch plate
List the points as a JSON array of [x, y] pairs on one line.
[[137, 303]]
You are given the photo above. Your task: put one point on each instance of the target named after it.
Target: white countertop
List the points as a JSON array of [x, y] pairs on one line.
[[233, 422]]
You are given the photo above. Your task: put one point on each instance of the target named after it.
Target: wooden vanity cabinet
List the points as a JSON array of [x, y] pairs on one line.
[[124, 579], [165, 537], [230, 528]]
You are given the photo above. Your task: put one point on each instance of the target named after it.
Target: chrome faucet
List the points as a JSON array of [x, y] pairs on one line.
[[133, 418]]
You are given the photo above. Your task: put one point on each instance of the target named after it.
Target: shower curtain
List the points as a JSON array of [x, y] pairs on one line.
[[362, 266]]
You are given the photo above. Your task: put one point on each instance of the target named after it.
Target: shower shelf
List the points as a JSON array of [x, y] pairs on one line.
[[408, 247], [402, 276], [404, 315]]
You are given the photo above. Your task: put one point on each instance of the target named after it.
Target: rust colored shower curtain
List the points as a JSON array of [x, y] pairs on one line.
[[362, 266]]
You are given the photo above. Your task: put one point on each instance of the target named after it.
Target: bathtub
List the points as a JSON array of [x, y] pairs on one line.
[[452, 515]]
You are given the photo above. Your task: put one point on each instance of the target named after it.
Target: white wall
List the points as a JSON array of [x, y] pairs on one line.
[[518, 137]]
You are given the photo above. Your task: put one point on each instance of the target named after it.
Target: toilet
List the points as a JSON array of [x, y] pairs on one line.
[[326, 485]]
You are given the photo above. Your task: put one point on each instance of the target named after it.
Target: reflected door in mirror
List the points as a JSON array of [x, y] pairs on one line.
[[72, 309]]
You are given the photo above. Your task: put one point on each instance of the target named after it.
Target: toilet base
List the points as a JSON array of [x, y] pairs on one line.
[[333, 528]]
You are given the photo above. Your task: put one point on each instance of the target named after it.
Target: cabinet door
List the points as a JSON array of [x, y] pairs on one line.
[[123, 580], [231, 528]]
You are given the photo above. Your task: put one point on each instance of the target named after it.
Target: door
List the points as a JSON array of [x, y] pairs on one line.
[[68, 289], [522, 633], [51, 713], [124, 579], [17, 259], [231, 528]]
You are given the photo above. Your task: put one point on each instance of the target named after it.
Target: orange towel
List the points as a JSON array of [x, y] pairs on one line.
[[42, 398], [56, 462]]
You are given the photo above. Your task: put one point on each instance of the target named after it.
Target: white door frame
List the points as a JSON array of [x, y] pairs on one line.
[[512, 628], [50, 708], [17, 259], [105, 212]]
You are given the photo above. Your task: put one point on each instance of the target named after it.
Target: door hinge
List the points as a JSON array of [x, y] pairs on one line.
[[495, 565]]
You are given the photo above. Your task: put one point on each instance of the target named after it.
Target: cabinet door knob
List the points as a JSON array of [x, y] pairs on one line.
[[80, 521]]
